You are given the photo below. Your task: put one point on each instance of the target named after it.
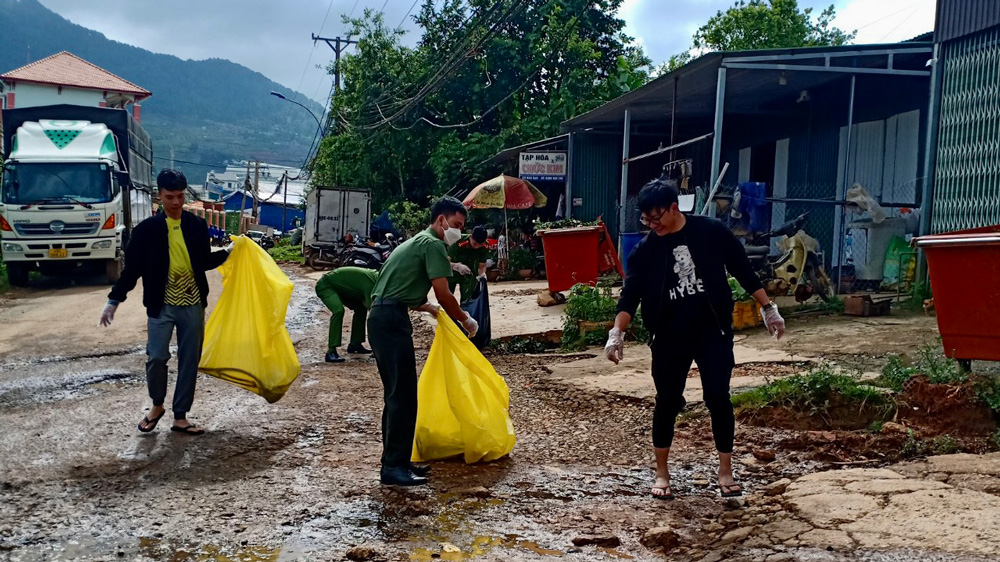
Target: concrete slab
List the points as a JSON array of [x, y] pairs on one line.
[[631, 377]]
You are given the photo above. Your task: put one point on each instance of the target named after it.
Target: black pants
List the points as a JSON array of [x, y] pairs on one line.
[[391, 336], [672, 358]]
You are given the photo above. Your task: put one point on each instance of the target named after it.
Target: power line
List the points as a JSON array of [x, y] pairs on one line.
[[349, 18], [410, 11]]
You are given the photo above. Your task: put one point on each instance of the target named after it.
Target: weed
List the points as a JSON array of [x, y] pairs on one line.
[[944, 445], [595, 305], [930, 363], [988, 392], [876, 426], [912, 447], [4, 284], [518, 346], [814, 393], [285, 251], [995, 439]]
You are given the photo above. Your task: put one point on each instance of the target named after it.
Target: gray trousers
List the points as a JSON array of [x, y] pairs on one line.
[[190, 324]]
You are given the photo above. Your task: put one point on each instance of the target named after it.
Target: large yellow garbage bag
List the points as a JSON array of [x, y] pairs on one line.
[[246, 342], [462, 402]]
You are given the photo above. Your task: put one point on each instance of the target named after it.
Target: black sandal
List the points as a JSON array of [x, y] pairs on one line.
[[669, 495], [188, 430], [150, 424]]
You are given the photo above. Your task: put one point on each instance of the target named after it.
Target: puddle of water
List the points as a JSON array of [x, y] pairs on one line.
[[614, 553], [481, 546], [157, 550]]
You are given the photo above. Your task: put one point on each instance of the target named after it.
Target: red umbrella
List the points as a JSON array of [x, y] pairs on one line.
[[505, 192]]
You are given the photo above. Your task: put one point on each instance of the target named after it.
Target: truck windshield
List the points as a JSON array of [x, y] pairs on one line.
[[27, 184]]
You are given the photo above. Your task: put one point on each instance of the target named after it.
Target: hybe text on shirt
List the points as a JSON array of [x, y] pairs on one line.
[[688, 283]]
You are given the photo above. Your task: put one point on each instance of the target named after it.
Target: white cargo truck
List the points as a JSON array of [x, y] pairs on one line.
[[333, 213], [76, 180]]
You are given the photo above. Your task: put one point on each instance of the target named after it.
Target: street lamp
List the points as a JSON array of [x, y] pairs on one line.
[[319, 131], [282, 97]]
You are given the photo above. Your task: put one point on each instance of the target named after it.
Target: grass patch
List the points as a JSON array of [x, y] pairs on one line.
[[284, 250], [816, 393], [930, 362], [4, 283]]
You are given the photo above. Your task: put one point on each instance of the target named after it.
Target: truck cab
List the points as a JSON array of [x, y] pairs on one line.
[[64, 199]]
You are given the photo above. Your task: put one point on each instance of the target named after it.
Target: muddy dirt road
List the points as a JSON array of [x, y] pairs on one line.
[[297, 480]]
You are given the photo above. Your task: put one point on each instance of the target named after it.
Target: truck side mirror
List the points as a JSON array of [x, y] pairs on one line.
[[123, 178]]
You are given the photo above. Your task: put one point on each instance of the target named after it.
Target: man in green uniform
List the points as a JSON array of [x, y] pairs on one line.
[[349, 287], [418, 265], [467, 256]]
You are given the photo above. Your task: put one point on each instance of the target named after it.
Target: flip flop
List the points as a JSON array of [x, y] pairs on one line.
[[188, 430], [728, 492], [667, 496], [151, 424]]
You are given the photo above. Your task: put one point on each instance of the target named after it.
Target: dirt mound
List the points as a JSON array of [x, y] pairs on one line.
[[938, 409], [838, 416]]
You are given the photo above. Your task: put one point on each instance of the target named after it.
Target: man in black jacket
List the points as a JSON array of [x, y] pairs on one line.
[[678, 273], [171, 253]]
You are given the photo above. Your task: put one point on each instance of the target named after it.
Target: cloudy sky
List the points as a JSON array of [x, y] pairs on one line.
[[273, 37]]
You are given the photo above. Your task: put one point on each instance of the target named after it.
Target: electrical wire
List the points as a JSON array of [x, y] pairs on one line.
[[410, 11]]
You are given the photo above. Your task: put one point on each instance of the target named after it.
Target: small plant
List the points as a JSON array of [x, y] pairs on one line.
[[815, 393], [995, 439], [4, 283], [285, 251], [564, 223], [988, 392], [876, 426], [912, 447], [520, 346], [521, 259], [944, 445], [930, 363]]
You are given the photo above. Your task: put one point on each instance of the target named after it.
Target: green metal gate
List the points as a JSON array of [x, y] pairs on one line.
[[967, 180]]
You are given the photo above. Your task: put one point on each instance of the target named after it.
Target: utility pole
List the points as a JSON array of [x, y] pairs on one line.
[[284, 207], [256, 186], [243, 204], [339, 46]]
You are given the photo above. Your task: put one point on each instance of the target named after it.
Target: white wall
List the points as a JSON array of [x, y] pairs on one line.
[[33, 95]]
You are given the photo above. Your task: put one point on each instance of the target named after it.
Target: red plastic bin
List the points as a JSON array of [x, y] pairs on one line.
[[577, 255], [965, 277]]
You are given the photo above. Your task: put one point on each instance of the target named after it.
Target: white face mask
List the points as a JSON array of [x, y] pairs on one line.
[[452, 235]]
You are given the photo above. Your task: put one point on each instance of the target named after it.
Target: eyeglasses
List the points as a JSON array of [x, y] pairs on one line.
[[649, 220]]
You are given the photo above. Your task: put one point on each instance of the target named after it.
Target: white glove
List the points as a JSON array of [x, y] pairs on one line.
[[108, 315], [229, 248], [615, 348], [461, 269], [490, 263], [470, 325], [481, 275], [773, 320]]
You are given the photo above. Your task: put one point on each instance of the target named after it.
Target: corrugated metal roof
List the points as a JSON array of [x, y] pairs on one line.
[[958, 18], [746, 90], [67, 69]]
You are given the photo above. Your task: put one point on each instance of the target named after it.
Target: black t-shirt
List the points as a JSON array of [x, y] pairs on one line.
[[681, 279]]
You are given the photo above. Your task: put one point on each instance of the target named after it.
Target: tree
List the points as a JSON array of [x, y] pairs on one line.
[[417, 123], [769, 24]]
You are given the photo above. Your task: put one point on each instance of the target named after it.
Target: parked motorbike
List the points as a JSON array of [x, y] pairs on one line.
[[797, 270], [322, 258], [372, 256]]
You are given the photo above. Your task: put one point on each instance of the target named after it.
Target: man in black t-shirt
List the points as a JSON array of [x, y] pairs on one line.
[[679, 274]]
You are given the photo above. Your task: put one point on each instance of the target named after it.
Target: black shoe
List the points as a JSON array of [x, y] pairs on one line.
[[332, 357], [357, 349], [421, 470], [399, 476]]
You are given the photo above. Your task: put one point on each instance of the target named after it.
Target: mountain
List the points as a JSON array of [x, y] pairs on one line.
[[207, 111]]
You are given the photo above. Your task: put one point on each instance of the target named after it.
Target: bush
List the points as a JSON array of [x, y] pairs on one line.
[[408, 217], [594, 304], [4, 283], [285, 251], [521, 259], [930, 363], [518, 346], [815, 393]]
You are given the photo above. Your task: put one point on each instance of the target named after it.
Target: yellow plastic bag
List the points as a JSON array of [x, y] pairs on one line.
[[462, 402], [246, 342]]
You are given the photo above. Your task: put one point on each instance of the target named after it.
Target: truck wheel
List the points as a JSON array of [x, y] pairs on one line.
[[113, 270], [17, 274]]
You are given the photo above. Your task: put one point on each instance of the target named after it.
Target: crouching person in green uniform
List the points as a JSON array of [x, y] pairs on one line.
[[418, 265], [468, 256], [347, 287]]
